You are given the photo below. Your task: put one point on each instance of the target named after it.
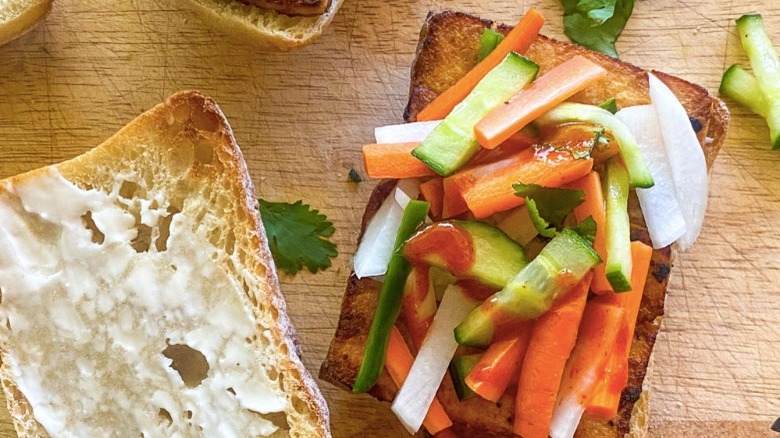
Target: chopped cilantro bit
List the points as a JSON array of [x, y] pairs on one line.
[[354, 176], [596, 24]]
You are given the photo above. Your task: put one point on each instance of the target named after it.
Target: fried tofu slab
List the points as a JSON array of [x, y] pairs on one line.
[[448, 49]]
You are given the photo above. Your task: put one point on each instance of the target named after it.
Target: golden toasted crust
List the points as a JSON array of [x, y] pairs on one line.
[[448, 48], [15, 24], [189, 132], [307, 8]]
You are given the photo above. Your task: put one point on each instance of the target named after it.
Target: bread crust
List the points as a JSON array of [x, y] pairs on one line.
[[27, 19], [183, 121], [265, 28], [448, 47]]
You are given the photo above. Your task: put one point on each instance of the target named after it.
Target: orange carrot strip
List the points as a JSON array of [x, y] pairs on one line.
[[398, 363], [552, 340], [517, 40], [555, 86], [494, 371], [418, 303], [516, 143], [606, 397], [394, 160], [433, 192], [594, 207], [489, 189]]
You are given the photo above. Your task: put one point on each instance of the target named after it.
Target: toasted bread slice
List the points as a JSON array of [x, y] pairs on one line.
[[306, 8], [448, 48], [266, 27], [20, 16], [139, 296]]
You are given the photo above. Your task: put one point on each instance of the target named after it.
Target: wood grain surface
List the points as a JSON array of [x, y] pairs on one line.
[[301, 117]]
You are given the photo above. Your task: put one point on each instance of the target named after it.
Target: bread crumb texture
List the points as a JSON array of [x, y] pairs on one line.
[[132, 301]]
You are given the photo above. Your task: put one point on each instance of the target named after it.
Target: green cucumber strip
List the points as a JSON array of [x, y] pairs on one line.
[[560, 265], [638, 170], [609, 105], [460, 367], [766, 65], [453, 142], [618, 265], [740, 85], [488, 42], [497, 258], [389, 304]]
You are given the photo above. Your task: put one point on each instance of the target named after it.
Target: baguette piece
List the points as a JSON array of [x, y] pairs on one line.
[[267, 28], [447, 50], [19, 16], [139, 296]]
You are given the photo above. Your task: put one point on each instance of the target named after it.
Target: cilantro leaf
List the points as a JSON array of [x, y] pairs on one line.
[[553, 204], [596, 24], [587, 229], [297, 236], [541, 225]]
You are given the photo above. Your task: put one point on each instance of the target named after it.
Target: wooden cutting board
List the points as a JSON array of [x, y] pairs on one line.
[[301, 117]]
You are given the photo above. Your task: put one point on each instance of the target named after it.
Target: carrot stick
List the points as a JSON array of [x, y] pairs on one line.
[[488, 189], [492, 374], [555, 86], [418, 303], [517, 142], [433, 192], [517, 40], [606, 397], [399, 362], [552, 340], [394, 160], [594, 207]]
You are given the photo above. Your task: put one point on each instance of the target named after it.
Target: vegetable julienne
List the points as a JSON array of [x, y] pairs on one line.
[[552, 88], [518, 40], [505, 318]]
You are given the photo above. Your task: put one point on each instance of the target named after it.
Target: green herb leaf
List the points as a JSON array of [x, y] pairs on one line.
[[489, 40], [609, 105], [587, 229], [596, 24], [541, 225], [553, 204], [297, 236]]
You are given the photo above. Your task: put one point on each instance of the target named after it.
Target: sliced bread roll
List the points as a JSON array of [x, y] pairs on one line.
[[19, 16], [138, 294], [265, 27]]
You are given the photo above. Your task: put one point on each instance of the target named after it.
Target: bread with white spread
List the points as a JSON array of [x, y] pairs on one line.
[[139, 297]]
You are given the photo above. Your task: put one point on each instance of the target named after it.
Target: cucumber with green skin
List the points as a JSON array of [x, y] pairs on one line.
[[638, 170], [618, 265], [560, 265], [460, 367], [496, 257], [742, 86], [452, 143], [488, 42], [766, 65]]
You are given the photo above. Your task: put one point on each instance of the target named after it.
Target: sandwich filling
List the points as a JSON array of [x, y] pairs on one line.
[[116, 318]]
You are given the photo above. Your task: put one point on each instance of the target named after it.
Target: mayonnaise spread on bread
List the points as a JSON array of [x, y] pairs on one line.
[[106, 339]]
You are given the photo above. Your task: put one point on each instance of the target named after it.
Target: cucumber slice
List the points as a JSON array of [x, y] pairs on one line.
[[638, 170], [453, 142], [460, 367], [560, 265], [742, 86], [497, 258], [488, 42], [618, 265], [766, 65]]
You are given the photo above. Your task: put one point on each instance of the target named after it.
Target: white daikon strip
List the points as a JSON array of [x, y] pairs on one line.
[[566, 418], [686, 159], [376, 246], [415, 396], [660, 207], [405, 132]]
